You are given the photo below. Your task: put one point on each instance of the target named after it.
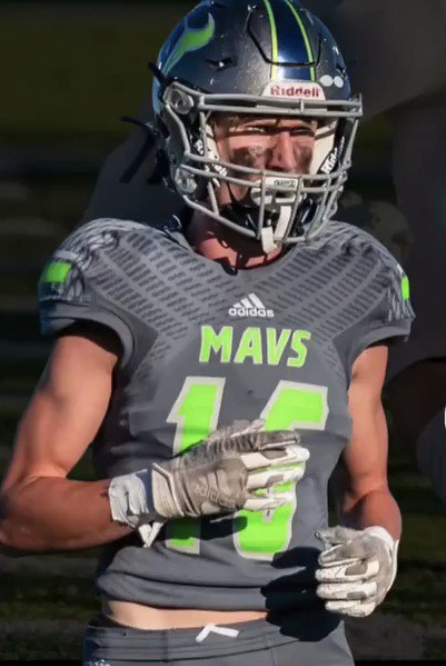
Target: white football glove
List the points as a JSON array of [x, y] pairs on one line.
[[357, 570], [235, 468]]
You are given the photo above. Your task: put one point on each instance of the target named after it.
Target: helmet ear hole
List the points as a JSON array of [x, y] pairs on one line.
[[160, 171], [201, 193]]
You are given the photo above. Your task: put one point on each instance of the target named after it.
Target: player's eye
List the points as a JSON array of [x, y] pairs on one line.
[[253, 129], [303, 131]]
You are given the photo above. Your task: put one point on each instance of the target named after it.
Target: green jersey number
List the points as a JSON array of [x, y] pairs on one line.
[[258, 535]]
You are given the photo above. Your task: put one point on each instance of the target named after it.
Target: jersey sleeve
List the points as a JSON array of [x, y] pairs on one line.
[[391, 318], [72, 288]]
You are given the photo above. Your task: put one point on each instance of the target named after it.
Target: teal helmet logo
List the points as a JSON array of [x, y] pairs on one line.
[[192, 39]]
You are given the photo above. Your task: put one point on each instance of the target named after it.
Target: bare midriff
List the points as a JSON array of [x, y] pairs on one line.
[[140, 616]]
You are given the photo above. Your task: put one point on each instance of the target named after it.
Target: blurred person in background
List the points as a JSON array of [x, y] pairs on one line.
[[395, 55], [175, 335]]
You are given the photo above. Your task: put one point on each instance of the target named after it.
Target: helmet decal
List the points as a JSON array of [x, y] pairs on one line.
[[305, 38], [274, 44], [192, 39], [328, 81], [287, 26]]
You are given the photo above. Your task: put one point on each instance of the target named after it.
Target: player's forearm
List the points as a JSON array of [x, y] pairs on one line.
[[376, 508], [49, 514]]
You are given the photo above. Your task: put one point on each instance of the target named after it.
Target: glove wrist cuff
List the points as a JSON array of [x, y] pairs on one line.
[[130, 499], [392, 545], [381, 533]]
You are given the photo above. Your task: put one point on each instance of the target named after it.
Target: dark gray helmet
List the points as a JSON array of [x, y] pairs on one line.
[[263, 57]]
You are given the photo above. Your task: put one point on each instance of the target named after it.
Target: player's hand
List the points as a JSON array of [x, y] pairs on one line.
[[233, 469], [357, 570]]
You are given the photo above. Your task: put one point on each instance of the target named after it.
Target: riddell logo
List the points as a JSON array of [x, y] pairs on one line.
[[291, 91], [294, 90]]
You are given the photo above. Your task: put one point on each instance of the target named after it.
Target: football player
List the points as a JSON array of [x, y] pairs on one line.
[[395, 57], [221, 362]]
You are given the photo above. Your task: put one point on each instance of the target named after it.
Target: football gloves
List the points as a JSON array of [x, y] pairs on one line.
[[357, 570], [235, 468]]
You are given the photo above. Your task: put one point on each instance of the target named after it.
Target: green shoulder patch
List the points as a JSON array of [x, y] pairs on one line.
[[56, 271]]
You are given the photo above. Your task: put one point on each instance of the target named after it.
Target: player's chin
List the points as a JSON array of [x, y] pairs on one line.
[[238, 194]]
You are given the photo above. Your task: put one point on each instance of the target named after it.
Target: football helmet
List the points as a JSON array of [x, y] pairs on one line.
[[262, 57]]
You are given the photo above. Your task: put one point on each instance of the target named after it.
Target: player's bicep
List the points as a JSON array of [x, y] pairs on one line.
[[67, 408], [364, 460]]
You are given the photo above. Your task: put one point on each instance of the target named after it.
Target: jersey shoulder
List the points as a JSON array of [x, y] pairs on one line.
[[99, 235], [95, 274], [95, 244], [356, 242]]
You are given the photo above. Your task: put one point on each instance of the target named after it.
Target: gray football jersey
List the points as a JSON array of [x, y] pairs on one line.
[[204, 345]]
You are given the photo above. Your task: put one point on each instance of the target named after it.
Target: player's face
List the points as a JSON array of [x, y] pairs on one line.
[[262, 142]]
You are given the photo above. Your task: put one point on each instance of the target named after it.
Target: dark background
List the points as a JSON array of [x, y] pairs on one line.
[[69, 70]]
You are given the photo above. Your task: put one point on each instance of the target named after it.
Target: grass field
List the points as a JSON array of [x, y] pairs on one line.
[[70, 82]]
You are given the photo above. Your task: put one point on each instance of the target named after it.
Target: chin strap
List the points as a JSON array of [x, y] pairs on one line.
[[267, 234], [267, 240]]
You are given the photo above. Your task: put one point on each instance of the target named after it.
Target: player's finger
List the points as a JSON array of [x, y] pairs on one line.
[[291, 455], [361, 609], [236, 428], [358, 570], [337, 562], [254, 438], [268, 439], [344, 553], [248, 426], [351, 608], [336, 535], [267, 502], [346, 591], [340, 606], [274, 477]]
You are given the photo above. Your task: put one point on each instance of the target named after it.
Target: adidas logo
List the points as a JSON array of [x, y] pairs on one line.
[[251, 306]]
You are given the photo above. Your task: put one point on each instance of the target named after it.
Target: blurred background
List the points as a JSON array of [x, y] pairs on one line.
[[69, 71]]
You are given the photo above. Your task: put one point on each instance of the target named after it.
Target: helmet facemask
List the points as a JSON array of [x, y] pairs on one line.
[[277, 207]]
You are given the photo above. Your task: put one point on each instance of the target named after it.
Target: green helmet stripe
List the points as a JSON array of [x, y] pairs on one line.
[[274, 43], [305, 38], [191, 40]]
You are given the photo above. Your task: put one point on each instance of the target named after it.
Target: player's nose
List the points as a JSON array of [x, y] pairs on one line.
[[285, 154]]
